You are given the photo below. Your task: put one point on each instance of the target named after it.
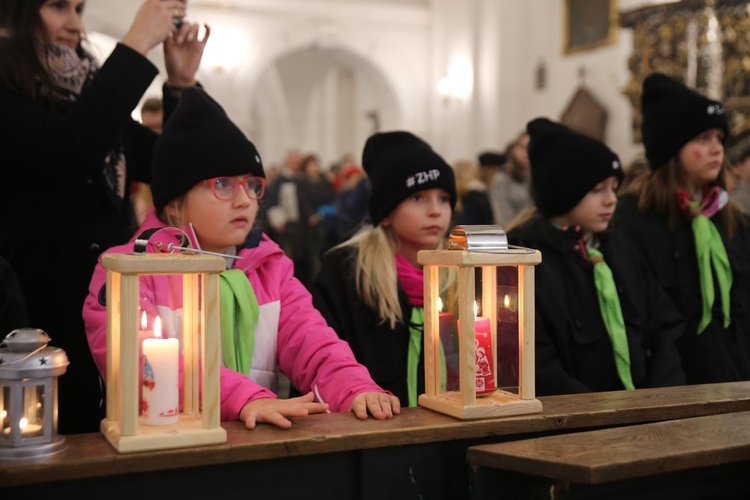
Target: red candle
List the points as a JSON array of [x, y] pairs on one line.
[[483, 363]]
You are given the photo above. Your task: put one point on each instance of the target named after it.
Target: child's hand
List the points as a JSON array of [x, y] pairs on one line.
[[378, 404], [277, 411]]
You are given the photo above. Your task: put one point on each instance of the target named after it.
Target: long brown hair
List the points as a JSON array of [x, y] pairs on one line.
[[657, 194], [21, 70], [518, 172]]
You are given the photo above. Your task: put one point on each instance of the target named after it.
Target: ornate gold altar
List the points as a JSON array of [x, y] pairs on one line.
[[701, 42]]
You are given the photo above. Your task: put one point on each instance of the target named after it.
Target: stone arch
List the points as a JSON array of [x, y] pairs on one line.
[[322, 99]]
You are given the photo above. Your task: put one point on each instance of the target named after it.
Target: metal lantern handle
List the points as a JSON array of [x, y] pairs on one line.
[[483, 238], [169, 240]]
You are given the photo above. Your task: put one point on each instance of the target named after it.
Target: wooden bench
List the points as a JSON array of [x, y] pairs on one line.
[[702, 457], [339, 456]]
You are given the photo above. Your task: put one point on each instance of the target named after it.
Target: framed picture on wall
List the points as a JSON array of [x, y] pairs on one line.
[[589, 24]]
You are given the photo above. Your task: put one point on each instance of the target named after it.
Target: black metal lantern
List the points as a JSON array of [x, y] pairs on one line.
[[29, 369]]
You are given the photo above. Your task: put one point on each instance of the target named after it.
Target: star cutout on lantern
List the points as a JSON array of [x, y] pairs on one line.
[[43, 361]]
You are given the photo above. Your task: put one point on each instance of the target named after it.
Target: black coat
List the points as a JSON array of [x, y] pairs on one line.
[[475, 208], [573, 350], [382, 350], [56, 216], [12, 308], [717, 354]]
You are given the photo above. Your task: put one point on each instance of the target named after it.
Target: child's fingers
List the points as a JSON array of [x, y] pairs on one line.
[[395, 404], [275, 418], [313, 408], [359, 407]]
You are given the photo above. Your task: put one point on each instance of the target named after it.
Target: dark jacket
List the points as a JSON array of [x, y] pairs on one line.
[[381, 349], [12, 308], [573, 350], [475, 208], [351, 209], [55, 213], [717, 354]]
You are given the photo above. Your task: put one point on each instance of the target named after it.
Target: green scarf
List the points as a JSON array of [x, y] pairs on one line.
[[239, 315], [416, 326], [609, 305], [711, 253]]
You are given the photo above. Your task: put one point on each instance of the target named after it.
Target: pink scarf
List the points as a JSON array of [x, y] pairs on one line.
[[411, 280], [711, 202]]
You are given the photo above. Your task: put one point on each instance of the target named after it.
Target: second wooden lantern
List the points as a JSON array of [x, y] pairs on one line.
[[466, 346]]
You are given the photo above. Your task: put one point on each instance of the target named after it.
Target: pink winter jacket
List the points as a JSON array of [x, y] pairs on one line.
[[291, 335]]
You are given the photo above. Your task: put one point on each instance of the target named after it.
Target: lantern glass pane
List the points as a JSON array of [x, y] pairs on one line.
[[4, 412], [162, 346], [32, 420], [447, 319], [507, 328]]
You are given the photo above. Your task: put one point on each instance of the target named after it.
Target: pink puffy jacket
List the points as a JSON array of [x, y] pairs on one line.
[[290, 335]]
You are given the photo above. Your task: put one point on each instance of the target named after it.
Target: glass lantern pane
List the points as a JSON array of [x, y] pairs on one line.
[[4, 412], [161, 346], [447, 319], [32, 420], [507, 328]]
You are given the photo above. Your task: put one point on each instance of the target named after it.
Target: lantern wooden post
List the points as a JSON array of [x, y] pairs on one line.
[[199, 420], [465, 404]]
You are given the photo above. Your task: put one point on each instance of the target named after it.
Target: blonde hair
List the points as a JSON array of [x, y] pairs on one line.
[[466, 171], [657, 194], [173, 213], [522, 218], [376, 278]]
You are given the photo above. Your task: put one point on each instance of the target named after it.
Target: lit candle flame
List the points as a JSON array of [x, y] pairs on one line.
[[440, 304], [23, 423], [144, 321], [3, 414], [506, 301], [476, 310], [157, 328]]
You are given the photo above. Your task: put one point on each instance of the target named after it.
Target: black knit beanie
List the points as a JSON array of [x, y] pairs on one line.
[[199, 142], [565, 165], [399, 164], [673, 115], [492, 159]]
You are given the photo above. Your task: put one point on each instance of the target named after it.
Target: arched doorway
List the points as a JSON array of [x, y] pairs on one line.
[[325, 101]]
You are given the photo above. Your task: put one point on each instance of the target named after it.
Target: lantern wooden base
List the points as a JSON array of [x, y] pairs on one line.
[[185, 433], [498, 404]]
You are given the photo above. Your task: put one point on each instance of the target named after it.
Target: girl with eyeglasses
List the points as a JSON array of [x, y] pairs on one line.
[[207, 180], [70, 152]]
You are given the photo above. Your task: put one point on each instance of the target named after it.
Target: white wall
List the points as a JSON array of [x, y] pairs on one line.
[[507, 40], [390, 55]]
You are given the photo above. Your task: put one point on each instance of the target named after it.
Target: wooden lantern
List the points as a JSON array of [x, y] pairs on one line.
[[472, 248], [199, 419]]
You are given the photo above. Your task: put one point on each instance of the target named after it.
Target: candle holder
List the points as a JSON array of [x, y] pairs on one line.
[[473, 262], [198, 423], [29, 369]]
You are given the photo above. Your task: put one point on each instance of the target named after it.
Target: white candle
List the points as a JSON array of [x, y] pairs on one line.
[[27, 429], [160, 404]]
